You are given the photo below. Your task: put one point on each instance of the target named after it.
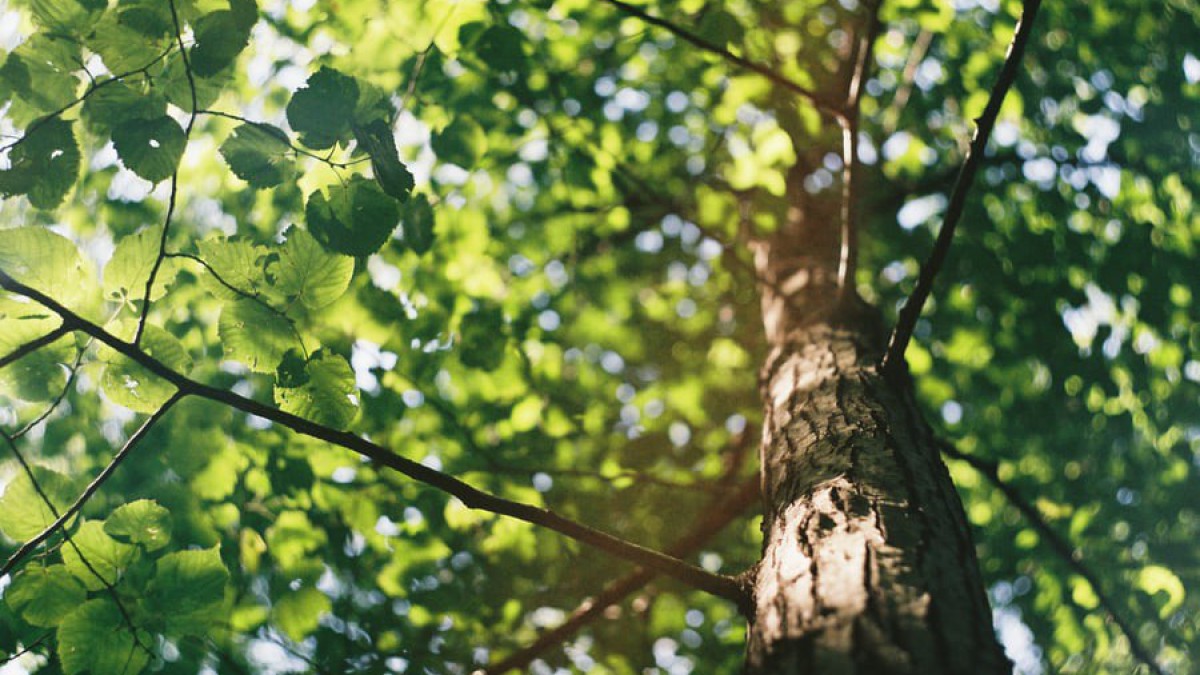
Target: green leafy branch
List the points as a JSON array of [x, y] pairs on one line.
[[893, 359], [187, 133], [60, 521], [718, 515], [723, 586], [284, 141], [107, 585], [1068, 553]]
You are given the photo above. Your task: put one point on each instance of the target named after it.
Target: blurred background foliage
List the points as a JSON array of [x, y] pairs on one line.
[[583, 332]]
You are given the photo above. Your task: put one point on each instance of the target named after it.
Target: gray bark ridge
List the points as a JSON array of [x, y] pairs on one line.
[[868, 565]]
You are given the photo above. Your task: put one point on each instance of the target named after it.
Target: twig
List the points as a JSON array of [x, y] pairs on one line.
[[187, 134], [33, 345], [778, 78], [32, 645], [716, 584], [989, 470], [718, 517], [83, 97], [920, 47], [91, 488], [291, 146], [108, 586], [848, 259], [902, 333], [74, 369]]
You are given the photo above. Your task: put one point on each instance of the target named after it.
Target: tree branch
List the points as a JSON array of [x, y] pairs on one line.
[[911, 311], [719, 585], [91, 488], [33, 345], [108, 586], [1060, 546], [819, 102], [187, 134], [718, 517], [848, 259]]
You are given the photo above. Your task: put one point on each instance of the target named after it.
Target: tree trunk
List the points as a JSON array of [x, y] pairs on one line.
[[868, 565]]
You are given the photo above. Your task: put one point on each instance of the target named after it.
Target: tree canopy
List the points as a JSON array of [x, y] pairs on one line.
[[266, 263]]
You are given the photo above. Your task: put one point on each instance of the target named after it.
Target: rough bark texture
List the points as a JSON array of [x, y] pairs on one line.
[[868, 564]]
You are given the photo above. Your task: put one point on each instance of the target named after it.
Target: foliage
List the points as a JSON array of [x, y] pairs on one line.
[[502, 241]]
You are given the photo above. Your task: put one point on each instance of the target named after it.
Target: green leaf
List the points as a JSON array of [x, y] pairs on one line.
[[39, 77], [483, 338], [297, 614], [322, 110], [417, 223], [357, 218], [122, 47], [376, 138], [721, 28], [307, 271], [128, 270], [128, 384], [325, 393], [174, 84], [500, 48], [1154, 579], [44, 595], [38, 376], [462, 142], [188, 590], [150, 148], [96, 639], [105, 557], [45, 165], [50, 263], [140, 522], [238, 262], [259, 154], [117, 101], [254, 335], [67, 16], [220, 37], [23, 511]]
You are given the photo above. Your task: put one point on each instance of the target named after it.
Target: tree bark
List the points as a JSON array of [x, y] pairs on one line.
[[868, 564]]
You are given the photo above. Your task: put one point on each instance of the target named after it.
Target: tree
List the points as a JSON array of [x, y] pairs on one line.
[[422, 336]]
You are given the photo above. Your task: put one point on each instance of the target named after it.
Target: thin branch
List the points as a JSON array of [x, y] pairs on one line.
[[187, 134], [97, 86], [32, 646], [719, 516], [291, 146], [919, 49], [92, 487], [1060, 546], [74, 370], [33, 345], [719, 585], [108, 586], [848, 259], [902, 333], [771, 74]]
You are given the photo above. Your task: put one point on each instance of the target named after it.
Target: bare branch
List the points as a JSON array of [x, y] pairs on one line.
[[92, 487], [771, 74], [717, 518], [719, 585], [1060, 546], [902, 333], [848, 259]]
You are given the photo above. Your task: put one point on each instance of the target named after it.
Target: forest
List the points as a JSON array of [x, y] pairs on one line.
[[599, 336]]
